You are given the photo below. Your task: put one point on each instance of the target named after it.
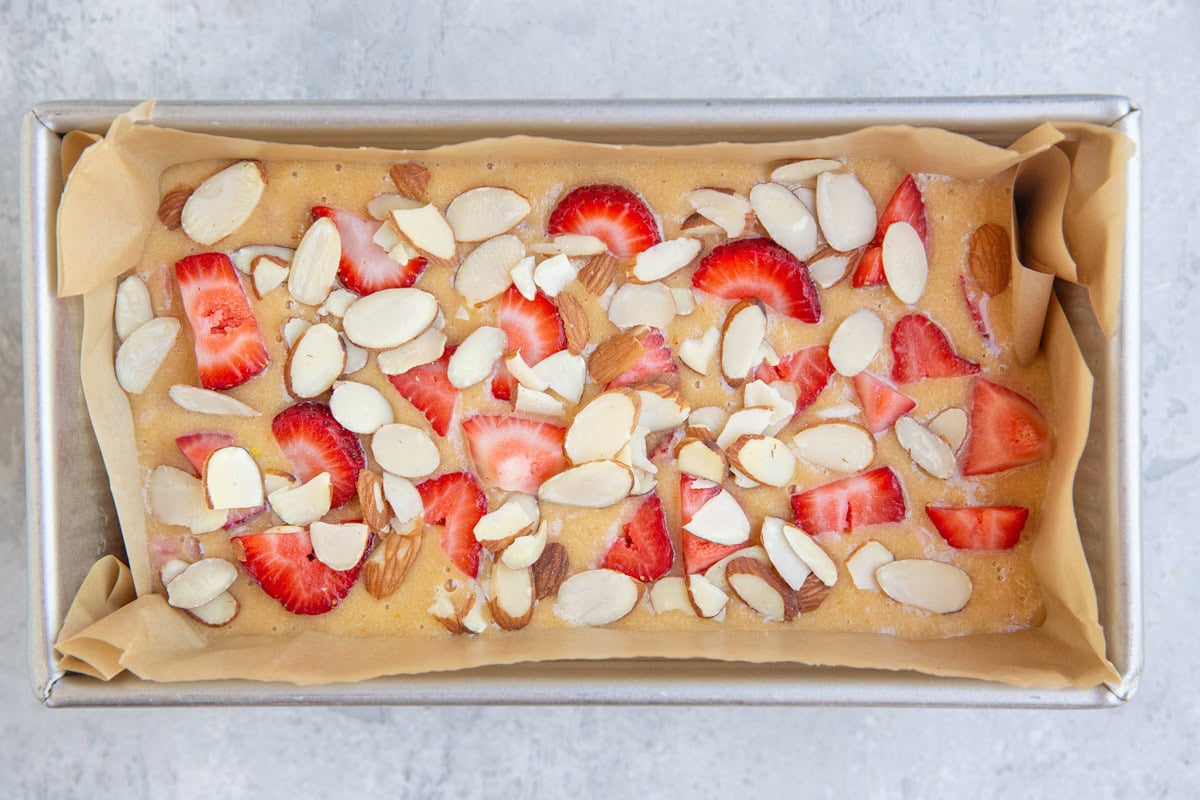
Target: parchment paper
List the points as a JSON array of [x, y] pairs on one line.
[[109, 204]]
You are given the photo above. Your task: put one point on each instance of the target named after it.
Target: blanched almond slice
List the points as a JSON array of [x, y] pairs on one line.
[[404, 499], [863, 563], [476, 357], [564, 374], [662, 408], [426, 229], [526, 550], [244, 257], [811, 553], [531, 401], [829, 266], [268, 275], [511, 600], [727, 210], [487, 270], [231, 479], [554, 273], [522, 277], [338, 302], [360, 408], [315, 263], [837, 446], [780, 399], [698, 352], [706, 599], [293, 329], [497, 529], [720, 520], [931, 585], [748, 420], [405, 451], [596, 484], [685, 301], [596, 597], [671, 594], [664, 259], [216, 612], [602, 427], [742, 481], [571, 244], [303, 504], [928, 450], [177, 498], [201, 582], [787, 220], [207, 401], [800, 172], [716, 573], [764, 459], [220, 204], [389, 318], [845, 210], [132, 309], [697, 225], [701, 459], [276, 479], [787, 562], [381, 206], [742, 335], [905, 264], [951, 425], [759, 587], [840, 411], [171, 570], [711, 418], [855, 342], [339, 546], [482, 213], [639, 458], [425, 349], [144, 351], [315, 362], [525, 374], [642, 304]]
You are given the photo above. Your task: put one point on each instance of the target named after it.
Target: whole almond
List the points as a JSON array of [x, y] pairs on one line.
[[170, 210], [388, 564], [613, 357], [812, 594], [575, 322], [550, 570], [411, 179], [990, 258], [599, 272], [375, 509]]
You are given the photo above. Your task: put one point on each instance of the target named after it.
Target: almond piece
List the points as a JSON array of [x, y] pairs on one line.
[[840, 411], [476, 357], [411, 179], [709, 419], [799, 173], [990, 257], [276, 479], [671, 594], [662, 407], [177, 498], [132, 308], [526, 550], [511, 601], [931, 585], [360, 408], [845, 210], [356, 357], [757, 585], [664, 259], [787, 562], [613, 357], [564, 374], [742, 335], [232, 479], [575, 323], [550, 570], [602, 427], [828, 266], [763, 459], [905, 264], [636, 304], [720, 520], [425, 349], [220, 204], [487, 211], [811, 553], [339, 546], [951, 425], [531, 401], [752, 421], [726, 209], [171, 570], [303, 504], [701, 459], [201, 582], [385, 569], [596, 597], [571, 244], [685, 301], [404, 500], [268, 274], [140, 355], [812, 594], [522, 277], [780, 399], [855, 342], [376, 512], [716, 573], [837, 446], [928, 450], [207, 401], [315, 362], [497, 529], [698, 226], [389, 318], [596, 484], [863, 563], [381, 206], [706, 599], [487, 270], [216, 612], [405, 451], [553, 273], [786, 220], [244, 257], [293, 329], [426, 230], [315, 263], [698, 352], [599, 273], [170, 209]]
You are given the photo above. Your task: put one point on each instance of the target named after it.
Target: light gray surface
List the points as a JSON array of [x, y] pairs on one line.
[[583, 49]]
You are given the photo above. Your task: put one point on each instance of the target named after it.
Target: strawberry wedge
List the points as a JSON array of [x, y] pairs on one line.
[[197, 447], [920, 349], [429, 389], [882, 404], [808, 368], [613, 214], [759, 268], [229, 347], [1006, 431], [644, 551], [532, 326], [314, 442], [513, 453], [456, 502], [979, 528], [656, 361], [907, 205], [365, 267], [873, 498], [698, 554], [282, 562]]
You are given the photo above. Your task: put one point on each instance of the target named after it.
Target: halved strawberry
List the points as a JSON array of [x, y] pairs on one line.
[[286, 568], [979, 528], [365, 266], [314, 442], [514, 453], [229, 347], [656, 360], [1006, 430], [872, 498], [809, 368], [644, 551], [429, 389], [907, 205], [613, 214], [198, 446], [920, 349], [533, 327], [882, 404], [759, 268], [869, 271], [698, 554], [456, 502]]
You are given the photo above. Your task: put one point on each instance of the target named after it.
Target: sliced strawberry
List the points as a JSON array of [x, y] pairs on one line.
[[662, 445], [869, 271], [656, 360], [920, 349], [872, 498], [759, 268], [456, 502], [975, 301], [314, 442], [533, 327], [613, 214], [198, 446], [809, 368], [882, 404], [979, 528], [698, 554], [365, 266], [907, 205], [429, 389], [229, 347], [514, 453], [644, 551], [286, 568], [1006, 430]]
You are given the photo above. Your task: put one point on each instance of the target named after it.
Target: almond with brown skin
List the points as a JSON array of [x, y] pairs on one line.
[[698, 225], [991, 258], [550, 570], [812, 594], [512, 596], [411, 179], [463, 618], [375, 509], [575, 322], [387, 566], [599, 272], [170, 210], [614, 356]]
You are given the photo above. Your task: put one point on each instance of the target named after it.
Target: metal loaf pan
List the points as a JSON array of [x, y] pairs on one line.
[[72, 522]]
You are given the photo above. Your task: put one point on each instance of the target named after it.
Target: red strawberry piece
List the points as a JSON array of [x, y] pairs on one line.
[[613, 214], [759, 268], [429, 389], [979, 528], [533, 327], [975, 305], [286, 568], [699, 554], [808, 368], [644, 551], [882, 404], [456, 502], [229, 347], [920, 349], [872, 498], [1006, 430], [656, 360], [869, 271], [314, 442], [906, 205], [664, 445], [238, 516], [365, 266], [200, 445], [514, 453]]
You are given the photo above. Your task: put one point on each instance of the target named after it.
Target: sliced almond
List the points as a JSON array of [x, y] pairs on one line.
[[602, 427], [376, 512], [759, 587], [476, 357], [303, 504], [144, 351], [511, 600], [597, 597], [711, 420], [614, 356], [232, 479], [207, 401], [905, 264], [596, 484], [405, 451], [742, 335], [685, 301], [571, 244], [743, 481], [531, 401], [575, 322], [360, 408], [780, 399], [840, 411], [698, 226], [293, 329], [799, 173], [201, 582], [787, 562], [527, 549], [564, 373], [951, 425], [599, 272], [487, 270], [404, 500], [642, 304], [706, 599], [550, 570], [990, 257], [786, 220], [811, 553], [554, 273], [339, 546], [389, 318], [701, 459], [720, 520], [338, 302], [425, 349], [315, 362], [244, 257], [498, 529], [698, 352], [726, 209], [524, 373], [863, 563], [716, 573], [522, 277], [837, 446], [268, 274], [855, 342], [219, 611], [662, 407], [315, 263], [747, 421], [171, 570], [845, 210], [177, 498], [928, 450], [426, 229], [381, 206], [671, 594], [132, 308], [829, 266], [220, 204], [487, 211], [763, 459], [931, 585], [664, 259], [384, 571], [276, 479]]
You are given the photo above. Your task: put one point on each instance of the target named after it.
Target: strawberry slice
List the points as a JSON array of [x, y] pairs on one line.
[[907, 205], [759, 268], [198, 446], [872, 498], [644, 551], [869, 271], [314, 442], [920, 349], [286, 568], [656, 360], [429, 389], [882, 404], [809, 368], [1006, 430], [365, 267], [229, 347], [698, 554], [976, 306], [533, 327], [456, 502], [979, 528], [514, 453], [613, 214]]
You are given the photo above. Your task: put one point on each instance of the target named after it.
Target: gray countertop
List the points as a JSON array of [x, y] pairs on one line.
[[576, 48]]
